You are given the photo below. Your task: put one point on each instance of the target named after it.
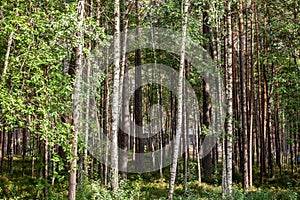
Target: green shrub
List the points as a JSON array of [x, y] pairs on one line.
[[94, 190]]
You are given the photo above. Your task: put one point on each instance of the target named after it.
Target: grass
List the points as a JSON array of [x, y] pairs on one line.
[[148, 186]]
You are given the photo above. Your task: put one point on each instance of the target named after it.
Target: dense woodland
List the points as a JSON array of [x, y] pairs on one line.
[[255, 45]]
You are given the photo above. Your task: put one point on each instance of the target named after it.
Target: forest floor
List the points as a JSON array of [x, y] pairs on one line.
[[148, 186]]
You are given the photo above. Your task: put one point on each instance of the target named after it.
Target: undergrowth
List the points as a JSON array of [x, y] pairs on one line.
[[148, 186]]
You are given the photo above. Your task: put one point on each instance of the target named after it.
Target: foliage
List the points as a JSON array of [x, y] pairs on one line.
[[95, 190], [36, 91], [136, 187]]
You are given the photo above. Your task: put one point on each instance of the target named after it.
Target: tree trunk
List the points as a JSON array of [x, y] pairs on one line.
[[79, 62], [229, 97], [197, 134], [115, 99], [24, 146], [180, 102], [264, 96], [2, 150], [125, 96], [138, 97], [244, 102], [207, 160], [224, 143], [259, 99], [10, 151], [46, 163], [9, 42], [251, 87]]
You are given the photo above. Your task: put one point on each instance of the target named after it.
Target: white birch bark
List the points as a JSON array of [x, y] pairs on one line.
[[197, 137], [9, 42], [224, 158], [229, 89], [115, 99], [180, 103], [125, 95]]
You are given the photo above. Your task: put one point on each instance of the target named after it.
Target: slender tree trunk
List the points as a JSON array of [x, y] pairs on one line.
[[1, 149], [186, 131], [138, 96], [197, 133], [9, 42], [207, 160], [88, 112], [270, 126], [291, 143], [244, 102], [32, 142], [259, 119], [115, 99], [277, 132], [229, 96], [224, 145], [11, 151], [106, 116], [3, 141], [46, 163], [180, 102], [265, 95], [251, 88], [24, 147], [237, 145], [125, 105], [79, 60]]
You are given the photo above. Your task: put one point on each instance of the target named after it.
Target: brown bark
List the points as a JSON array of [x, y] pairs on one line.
[[10, 151], [207, 160], [79, 57], [138, 96], [265, 96]]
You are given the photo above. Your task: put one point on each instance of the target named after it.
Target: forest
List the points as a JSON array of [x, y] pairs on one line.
[[150, 99]]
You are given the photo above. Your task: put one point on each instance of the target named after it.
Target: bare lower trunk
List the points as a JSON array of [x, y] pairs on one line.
[[243, 99], [79, 58], [229, 96], [180, 103], [115, 99], [125, 96], [138, 97]]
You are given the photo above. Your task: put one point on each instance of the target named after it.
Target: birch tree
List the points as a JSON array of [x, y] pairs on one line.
[[9, 42], [115, 98], [229, 101], [125, 99], [138, 95], [180, 101], [244, 100], [227, 163]]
